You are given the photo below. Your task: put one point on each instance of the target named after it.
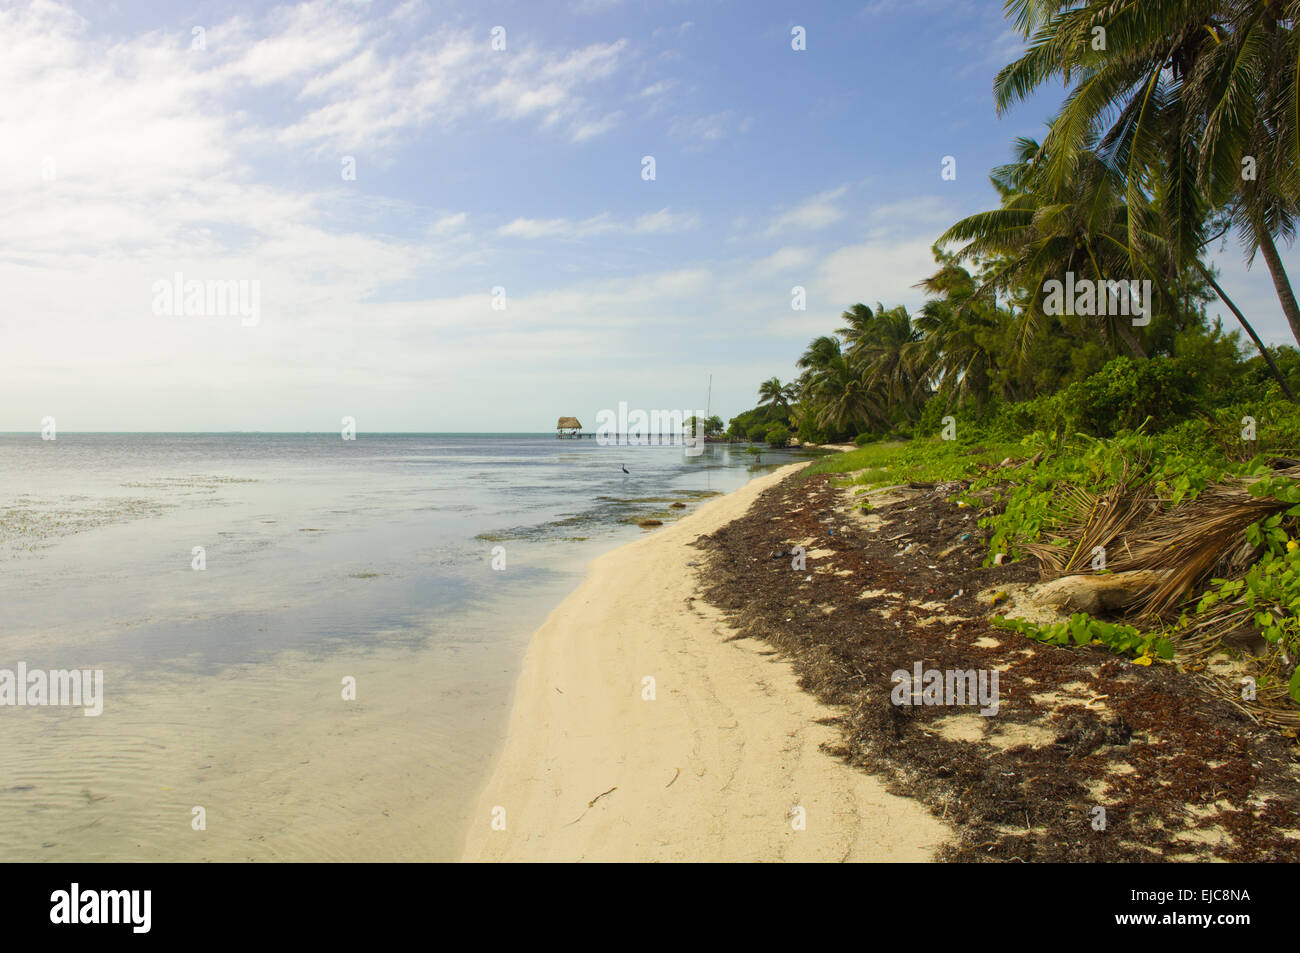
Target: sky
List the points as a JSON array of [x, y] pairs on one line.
[[444, 213]]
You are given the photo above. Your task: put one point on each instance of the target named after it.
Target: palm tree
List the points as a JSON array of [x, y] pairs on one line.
[[817, 356], [1195, 93], [860, 325], [1044, 230], [954, 349], [836, 388], [776, 394], [890, 361], [847, 401]]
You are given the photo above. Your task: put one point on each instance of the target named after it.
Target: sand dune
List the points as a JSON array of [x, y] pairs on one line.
[[716, 767]]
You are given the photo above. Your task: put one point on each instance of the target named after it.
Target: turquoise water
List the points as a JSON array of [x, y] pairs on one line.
[[324, 560]]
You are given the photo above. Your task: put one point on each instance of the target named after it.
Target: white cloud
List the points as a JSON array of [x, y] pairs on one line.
[[557, 227], [596, 127], [784, 259], [817, 212], [883, 268], [449, 223], [663, 221], [710, 128]]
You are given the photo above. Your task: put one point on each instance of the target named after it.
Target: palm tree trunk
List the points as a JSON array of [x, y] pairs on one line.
[[1125, 332], [1129, 338], [1280, 280], [1241, 318]]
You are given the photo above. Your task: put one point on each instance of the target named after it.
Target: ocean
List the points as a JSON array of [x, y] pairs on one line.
[[308, 644]]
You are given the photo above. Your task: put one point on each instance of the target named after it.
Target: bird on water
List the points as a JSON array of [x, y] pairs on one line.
[[625, 469]]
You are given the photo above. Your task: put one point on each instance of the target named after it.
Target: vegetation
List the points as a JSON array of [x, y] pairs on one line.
[[1178, 129]]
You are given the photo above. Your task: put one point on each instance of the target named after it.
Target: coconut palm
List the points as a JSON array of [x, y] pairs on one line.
[[889, 359], [955, 348], [1043, 230], [836, 388], [1201, 95], [859, 325], [772, 392]]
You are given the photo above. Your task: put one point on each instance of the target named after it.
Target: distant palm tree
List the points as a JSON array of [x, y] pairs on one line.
[[859, 326], [837, 387], [848, 401], [890, 359], [775, 394], [956, 349], [820, 352]]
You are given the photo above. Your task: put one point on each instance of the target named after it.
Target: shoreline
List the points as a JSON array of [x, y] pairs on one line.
[[718, 766]]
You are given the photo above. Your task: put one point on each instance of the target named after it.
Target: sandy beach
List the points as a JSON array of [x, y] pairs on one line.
[[717, 759]]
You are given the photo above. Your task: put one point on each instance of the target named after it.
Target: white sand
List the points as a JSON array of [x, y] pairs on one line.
[[710, 770]]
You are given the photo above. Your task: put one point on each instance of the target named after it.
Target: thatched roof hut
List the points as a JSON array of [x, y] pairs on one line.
[[568, 426]]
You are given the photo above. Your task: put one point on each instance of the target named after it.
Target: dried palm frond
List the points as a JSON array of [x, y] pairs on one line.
[[1092, 521], [1189, 541], [1187, 545]]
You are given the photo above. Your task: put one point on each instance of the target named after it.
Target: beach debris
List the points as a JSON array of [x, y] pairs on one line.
[[592, 802], [676, 506], [1188, 542], [676, 774], [1107, 592], [1081, 710], [648, 523]]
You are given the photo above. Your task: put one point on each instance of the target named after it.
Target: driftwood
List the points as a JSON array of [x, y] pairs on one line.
[[1106, 592]]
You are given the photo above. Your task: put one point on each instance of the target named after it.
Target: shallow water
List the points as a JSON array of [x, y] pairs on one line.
[[324, 559]]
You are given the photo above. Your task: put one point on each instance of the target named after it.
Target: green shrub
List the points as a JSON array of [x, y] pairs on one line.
[[810, 433], [743, 424], [778, 435], [1125, 394]]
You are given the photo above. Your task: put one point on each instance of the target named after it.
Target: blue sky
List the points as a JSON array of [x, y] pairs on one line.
[[129, 155]]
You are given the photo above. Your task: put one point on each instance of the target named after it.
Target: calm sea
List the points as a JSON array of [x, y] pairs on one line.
[[326, 564]]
